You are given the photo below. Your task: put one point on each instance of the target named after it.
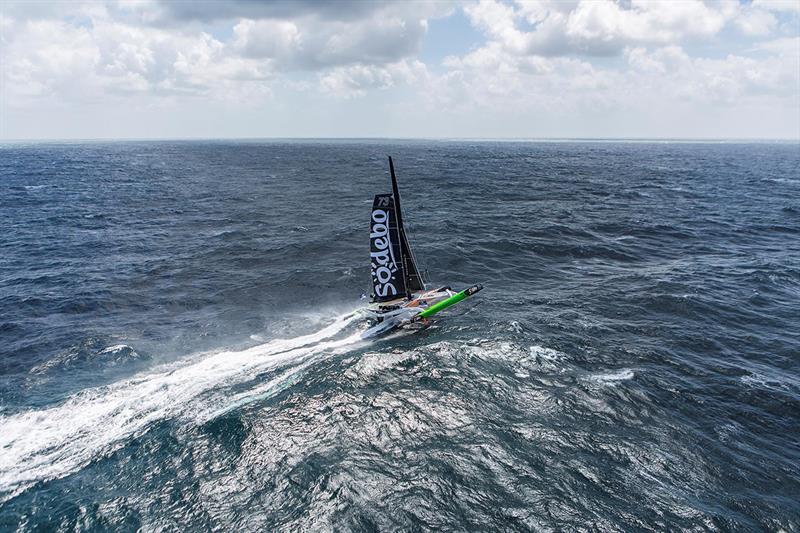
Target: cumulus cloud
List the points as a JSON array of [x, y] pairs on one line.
[[539, 58], [168, 10], [93, 49], [733, 79], [788, 47], [356, 80], [549, 57], [600, 27], [313, 45], [756, 22], [777, 5], [56, 60], [490, 77], [308, 34]]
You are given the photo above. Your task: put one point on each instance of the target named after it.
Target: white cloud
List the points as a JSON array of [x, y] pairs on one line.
[[646, 21], [538, 59], [524, 68], [47, 58], [356, 80], [670, 72], [784, 47], [539, 62], [778, 5], [91, 50], [595, 27], [491, 77], [56, 60], [266, 38], [312, 44], [754, 21]]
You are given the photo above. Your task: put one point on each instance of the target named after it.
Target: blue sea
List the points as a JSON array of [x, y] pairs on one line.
[[179, 349]]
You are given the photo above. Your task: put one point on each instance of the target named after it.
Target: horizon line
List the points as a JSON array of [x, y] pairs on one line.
[[389, 138]]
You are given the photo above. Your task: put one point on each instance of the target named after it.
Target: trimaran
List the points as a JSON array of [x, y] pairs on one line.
[[399, 294]]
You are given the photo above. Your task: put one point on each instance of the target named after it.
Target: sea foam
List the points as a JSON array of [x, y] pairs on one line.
[[50, 443]]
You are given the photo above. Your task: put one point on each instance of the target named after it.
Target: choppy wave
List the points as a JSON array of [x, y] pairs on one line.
[[611, 377], [630, 365]]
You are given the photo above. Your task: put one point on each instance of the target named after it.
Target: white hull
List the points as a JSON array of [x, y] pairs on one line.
[[397, 313]]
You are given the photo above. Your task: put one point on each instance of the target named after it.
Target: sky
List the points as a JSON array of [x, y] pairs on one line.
[[122, 69]]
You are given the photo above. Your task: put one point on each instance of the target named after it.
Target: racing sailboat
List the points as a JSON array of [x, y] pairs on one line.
[[399, 293]]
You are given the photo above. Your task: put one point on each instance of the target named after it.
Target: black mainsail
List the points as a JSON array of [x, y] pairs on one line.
[[386, 259], [394, 269]]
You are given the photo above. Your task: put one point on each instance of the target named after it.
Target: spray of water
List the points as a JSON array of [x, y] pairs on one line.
[[51, 443]]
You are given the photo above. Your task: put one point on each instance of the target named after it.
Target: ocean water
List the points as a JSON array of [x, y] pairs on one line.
[[178, 348]]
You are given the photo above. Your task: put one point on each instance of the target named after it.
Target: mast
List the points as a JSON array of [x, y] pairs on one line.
[[396, 193], [413, 277]]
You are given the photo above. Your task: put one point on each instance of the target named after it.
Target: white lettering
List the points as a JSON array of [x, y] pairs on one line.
[[379, 230], [382, 290], [383, 263], [380, 216]]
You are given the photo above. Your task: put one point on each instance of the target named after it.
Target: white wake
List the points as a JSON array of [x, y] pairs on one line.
[[51, 443]]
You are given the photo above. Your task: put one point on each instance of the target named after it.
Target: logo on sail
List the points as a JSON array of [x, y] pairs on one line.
[[384, 266]]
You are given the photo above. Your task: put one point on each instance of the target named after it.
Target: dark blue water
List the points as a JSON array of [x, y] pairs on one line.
[[177, 349]]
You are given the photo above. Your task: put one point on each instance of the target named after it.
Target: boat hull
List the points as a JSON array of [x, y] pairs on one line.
[[416, 309]]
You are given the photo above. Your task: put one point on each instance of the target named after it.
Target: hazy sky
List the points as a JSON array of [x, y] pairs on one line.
[[304, 68]]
